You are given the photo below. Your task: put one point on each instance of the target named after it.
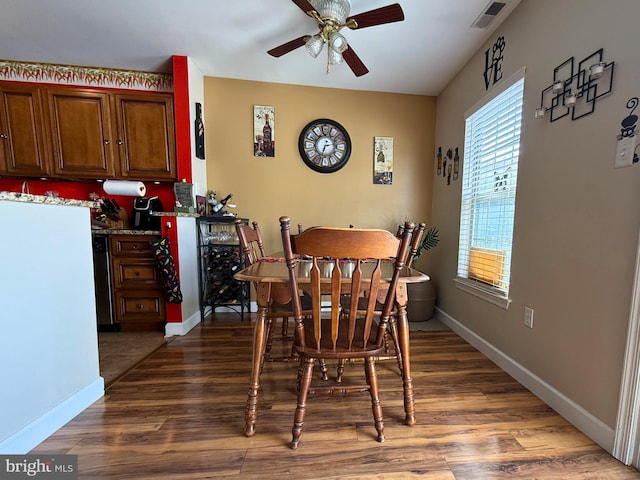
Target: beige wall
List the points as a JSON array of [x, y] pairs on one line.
[[577, 217], [266, 188]]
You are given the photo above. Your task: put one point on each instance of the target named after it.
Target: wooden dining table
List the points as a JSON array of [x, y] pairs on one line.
[[271, 278]]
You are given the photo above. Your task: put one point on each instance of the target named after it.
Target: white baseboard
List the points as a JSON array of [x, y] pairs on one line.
[[181, 328], [591, 426], [20, 443]]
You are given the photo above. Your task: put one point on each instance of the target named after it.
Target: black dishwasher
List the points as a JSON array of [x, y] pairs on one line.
[[102, 281]]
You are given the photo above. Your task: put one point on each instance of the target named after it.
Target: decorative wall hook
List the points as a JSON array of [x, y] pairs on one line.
[[576, 88]]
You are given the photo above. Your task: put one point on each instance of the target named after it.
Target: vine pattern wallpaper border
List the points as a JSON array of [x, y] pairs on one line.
[[85, 76]]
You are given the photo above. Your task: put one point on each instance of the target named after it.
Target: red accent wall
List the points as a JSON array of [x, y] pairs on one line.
[[182, 117]]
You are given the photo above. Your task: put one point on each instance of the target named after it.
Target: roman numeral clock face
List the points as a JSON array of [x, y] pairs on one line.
[[324, 145]]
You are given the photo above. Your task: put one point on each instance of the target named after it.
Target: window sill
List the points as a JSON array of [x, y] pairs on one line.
[[485, 293]]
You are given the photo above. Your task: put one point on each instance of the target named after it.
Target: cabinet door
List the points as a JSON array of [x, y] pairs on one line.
[[146, 136], [23, 151], [80, 126]]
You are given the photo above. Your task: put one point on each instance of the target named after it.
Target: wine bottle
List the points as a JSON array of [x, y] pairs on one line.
[[221, 204], [266, 137]]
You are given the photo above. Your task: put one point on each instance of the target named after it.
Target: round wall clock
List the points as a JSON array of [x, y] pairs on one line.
[[324, 145]]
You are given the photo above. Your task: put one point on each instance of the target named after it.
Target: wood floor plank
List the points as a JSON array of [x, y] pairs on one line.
[[180, 415]]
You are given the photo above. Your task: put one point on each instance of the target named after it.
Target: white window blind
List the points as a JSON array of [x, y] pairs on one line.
[[490, 172]]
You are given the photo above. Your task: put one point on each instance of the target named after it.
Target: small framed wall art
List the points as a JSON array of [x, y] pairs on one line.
[[264, 131], [201, 205], [383, 160]]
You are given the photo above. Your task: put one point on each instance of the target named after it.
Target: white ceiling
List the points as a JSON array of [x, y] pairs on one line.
[[230, 38]]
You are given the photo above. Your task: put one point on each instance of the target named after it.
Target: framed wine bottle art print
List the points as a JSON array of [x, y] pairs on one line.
[[383, 160], [264, 131]]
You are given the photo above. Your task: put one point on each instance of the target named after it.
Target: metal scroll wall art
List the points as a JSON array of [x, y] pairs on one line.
[[576, 88], [448, 165]]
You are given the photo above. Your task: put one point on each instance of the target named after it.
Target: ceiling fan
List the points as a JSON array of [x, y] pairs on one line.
[[331, 16]]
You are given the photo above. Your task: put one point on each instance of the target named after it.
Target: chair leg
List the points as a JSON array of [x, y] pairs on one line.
[[340, 370], [392, 327], [305, 376], [269, 335], [323, 369], [285, 328], [372, 380]]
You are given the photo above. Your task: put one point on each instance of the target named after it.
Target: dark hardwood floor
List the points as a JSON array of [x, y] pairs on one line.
[[180, 414]]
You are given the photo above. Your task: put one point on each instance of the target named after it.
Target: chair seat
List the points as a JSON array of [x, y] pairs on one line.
[[341, 349]]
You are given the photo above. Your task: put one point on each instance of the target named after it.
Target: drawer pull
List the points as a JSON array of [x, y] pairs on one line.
[[139, 306]]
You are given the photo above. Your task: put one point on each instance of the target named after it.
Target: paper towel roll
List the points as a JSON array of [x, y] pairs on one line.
[[124, 187]]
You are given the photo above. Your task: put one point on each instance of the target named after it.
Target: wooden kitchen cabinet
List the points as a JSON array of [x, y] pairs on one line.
[[146, 136], [23, 149], [81, 132], [138, 298]]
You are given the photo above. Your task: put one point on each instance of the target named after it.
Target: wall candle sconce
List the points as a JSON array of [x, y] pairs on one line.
[[570, 100], [597, 69], [576, 88]]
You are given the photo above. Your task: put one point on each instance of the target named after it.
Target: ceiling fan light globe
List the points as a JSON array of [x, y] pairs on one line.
[[335, 57], [314, 45], [334, 9], [337, 42]]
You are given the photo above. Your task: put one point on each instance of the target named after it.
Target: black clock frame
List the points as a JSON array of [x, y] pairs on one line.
[[303, 137]]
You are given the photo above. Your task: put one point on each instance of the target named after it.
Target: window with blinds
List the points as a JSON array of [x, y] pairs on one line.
[[490, 173]]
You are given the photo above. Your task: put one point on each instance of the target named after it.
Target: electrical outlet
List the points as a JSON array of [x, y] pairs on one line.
[[528, 317], [624, 151]]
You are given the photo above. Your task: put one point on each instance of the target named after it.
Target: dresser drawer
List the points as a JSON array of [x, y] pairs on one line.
[[144, 306], [132, 273], [134, 246]]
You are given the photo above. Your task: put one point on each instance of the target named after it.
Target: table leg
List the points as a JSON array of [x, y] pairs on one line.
[[403, 338], [259, 344]]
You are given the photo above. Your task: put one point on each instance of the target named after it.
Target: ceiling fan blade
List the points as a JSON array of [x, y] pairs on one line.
[[288, 47], [378, 16], [304, 5], [354, 62]]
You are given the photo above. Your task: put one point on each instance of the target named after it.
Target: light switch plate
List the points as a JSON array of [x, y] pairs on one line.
[[624, 151]]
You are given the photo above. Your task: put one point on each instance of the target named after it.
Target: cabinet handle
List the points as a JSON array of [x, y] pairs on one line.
[[137, 274], [106, 142], [120, 142], [139, 307], [2, 135]]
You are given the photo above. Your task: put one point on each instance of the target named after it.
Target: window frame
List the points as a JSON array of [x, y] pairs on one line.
[[495, 295]]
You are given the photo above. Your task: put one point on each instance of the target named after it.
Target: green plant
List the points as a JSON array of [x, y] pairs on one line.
[[429, 241]]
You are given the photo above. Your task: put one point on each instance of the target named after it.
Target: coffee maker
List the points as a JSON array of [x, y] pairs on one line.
[[143, 207]]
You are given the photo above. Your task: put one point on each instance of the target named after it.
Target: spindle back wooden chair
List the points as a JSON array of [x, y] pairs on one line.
[[252, 247], [333, 335], [416, 238]]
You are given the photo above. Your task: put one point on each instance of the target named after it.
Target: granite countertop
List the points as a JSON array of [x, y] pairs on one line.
[[174, 214], [44, 199], [123, 231]]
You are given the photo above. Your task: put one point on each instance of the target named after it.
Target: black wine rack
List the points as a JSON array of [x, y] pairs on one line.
[[220, 257]]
